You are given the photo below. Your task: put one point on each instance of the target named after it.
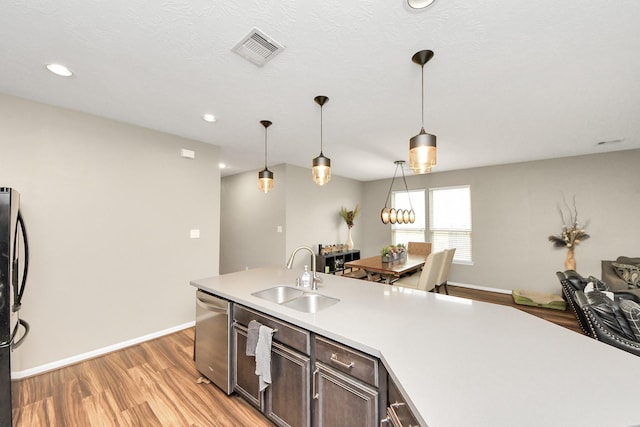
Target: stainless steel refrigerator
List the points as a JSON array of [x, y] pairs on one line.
[[14, 264]]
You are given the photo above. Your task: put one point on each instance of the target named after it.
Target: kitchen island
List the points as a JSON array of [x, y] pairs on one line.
[[460, 362]]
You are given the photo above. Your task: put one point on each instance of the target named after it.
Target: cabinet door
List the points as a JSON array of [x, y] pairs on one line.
[[245, 381], [287, 399], [342, 401]]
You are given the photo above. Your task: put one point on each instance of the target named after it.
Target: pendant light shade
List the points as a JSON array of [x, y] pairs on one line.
[[398, 216], [321, 166], [422, 147], [265, 176]]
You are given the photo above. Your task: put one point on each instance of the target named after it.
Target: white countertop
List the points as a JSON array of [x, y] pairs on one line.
[[462, 362]]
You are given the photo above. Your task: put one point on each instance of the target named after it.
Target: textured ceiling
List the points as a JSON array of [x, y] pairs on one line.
[[510, 80]]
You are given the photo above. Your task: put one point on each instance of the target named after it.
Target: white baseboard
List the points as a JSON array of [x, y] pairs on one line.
[[17, 375], [481, 288]]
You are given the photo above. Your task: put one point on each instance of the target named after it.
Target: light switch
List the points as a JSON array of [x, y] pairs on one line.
[[279, 229], [195, 234]]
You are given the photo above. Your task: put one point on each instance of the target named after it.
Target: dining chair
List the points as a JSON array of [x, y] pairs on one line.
[[443, 276], [426, 280], [419, 248]]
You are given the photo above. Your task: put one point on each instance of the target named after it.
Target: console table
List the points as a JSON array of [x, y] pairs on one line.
[[335, 261]]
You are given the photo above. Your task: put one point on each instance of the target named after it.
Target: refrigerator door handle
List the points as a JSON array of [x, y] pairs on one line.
[[26, 327], [20, 292]]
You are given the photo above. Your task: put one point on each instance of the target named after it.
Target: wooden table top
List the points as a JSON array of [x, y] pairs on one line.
[[396, 268]]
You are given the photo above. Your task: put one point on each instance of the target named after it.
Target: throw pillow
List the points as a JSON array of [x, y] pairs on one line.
[[627, 260], [631, 311], [629, 273], [597, 284]]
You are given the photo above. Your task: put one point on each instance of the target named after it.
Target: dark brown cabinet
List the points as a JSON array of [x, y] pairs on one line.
[[286, 401], [288, 398], [346, 386], [342, 401]]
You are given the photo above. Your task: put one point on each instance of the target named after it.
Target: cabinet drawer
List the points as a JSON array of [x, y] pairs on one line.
[[287, 334], [347, 360]]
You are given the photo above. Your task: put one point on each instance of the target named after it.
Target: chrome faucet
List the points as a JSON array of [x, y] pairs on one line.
[[315, 279]]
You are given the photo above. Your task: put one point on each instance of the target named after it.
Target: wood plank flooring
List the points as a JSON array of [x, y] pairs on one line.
[[150, 384], [154, 384], [565, 318]]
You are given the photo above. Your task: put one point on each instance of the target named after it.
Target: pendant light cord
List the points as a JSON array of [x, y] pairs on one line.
[[321, 130], [422, 71], [399, 163], [405, 186], [391, 186], [265, 148]]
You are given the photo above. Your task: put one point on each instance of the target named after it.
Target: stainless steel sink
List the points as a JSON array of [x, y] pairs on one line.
[[311, 303], [279, 294]]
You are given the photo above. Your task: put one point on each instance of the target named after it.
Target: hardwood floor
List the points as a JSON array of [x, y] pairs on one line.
[[565, 318], [154, 384], [150, 384]]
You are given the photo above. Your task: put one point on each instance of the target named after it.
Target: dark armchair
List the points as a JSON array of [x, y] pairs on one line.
[[616, 322]]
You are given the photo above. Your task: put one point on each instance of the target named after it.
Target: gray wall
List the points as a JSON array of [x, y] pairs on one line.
[[514, 210], [249, 220], [108, 208], [309, 215]]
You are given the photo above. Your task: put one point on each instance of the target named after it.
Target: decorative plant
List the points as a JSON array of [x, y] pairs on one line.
[[391, 249], [349, 216], [572, 233]]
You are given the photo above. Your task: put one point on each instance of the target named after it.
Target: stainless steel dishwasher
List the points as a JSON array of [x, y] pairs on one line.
[[212, 338]]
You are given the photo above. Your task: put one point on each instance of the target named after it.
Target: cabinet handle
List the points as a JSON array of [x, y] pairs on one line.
[[314, 392], [392, 416], [334, 358]]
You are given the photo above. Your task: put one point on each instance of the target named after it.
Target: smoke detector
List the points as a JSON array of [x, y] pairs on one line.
[[257, 47]]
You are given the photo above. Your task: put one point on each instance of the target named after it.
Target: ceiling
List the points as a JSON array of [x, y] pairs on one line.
[[510, 81]]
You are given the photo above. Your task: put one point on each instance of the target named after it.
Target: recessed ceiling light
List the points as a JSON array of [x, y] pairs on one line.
[[59, 70], [417, 5], [222, 165], [209, 118]]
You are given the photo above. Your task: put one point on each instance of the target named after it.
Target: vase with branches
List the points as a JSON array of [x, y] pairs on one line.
[[571, 234], [349, 217]]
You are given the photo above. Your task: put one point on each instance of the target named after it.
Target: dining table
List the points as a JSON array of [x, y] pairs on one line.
[[389, 271]]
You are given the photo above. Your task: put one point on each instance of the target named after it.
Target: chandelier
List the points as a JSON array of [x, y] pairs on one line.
[[400, 216]]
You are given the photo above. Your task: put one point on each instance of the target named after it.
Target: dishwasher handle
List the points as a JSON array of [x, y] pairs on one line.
[[212, 303]]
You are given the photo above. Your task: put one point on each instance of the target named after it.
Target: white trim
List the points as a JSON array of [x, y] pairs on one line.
[[481, 288], [95, 353]]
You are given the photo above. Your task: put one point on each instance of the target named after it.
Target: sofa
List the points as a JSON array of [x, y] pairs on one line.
[[622, 275], [609, 317]]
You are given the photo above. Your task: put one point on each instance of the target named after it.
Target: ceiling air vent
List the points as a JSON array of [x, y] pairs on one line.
[[257, 47]]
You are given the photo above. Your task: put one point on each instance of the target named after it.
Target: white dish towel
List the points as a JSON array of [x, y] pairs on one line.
[[252, 337], [263, 356]]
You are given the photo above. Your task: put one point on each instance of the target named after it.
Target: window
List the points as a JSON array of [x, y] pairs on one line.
[[450, 221], [404, 233]]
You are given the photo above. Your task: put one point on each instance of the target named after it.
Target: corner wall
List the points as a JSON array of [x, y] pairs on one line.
[[108, 208]]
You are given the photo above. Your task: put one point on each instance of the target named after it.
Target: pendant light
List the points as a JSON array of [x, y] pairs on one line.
[[321, 165], [422, 147], [400, 216], [265, 176]]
